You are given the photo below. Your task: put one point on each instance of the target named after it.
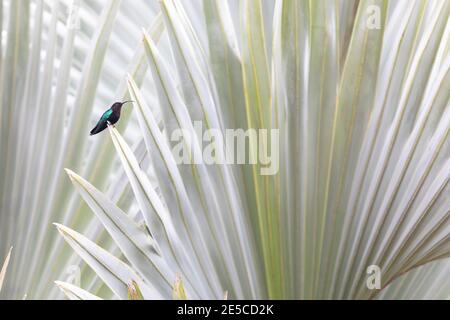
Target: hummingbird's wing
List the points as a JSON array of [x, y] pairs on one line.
[[102, 123], [106, 115]]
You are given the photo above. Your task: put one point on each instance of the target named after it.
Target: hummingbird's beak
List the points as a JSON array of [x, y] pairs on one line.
[[127, 102]]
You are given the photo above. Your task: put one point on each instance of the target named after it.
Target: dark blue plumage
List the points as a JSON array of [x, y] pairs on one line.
[[111, 116]]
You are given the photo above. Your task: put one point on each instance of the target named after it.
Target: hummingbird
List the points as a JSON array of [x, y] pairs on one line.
[[110, 117]]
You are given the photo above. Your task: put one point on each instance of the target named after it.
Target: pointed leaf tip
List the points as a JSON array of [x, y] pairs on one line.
[[134, 292], [73, 292], [61, 229]]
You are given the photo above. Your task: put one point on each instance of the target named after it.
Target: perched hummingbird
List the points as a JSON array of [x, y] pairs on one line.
[[111, 116]]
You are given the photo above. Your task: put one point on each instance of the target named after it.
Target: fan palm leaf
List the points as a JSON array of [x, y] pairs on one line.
[[354, 93], [363, 119]]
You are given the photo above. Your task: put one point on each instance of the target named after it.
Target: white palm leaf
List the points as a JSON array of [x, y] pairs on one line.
[[363, 116], [425, 282], [73, 292]]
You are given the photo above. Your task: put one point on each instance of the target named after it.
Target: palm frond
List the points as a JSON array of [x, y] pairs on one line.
[[363, 117], [355, 93]]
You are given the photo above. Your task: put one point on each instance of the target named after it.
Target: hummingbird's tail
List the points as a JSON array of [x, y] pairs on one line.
[[94, 131]]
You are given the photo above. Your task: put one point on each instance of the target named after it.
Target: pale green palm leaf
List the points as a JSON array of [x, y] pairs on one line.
[[363, 119]]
